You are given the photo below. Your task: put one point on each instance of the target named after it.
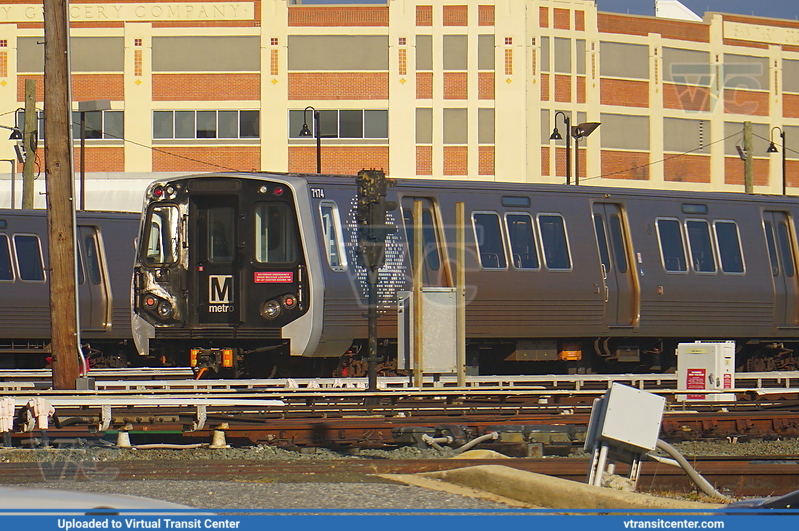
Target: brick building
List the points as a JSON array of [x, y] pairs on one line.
[[421, 88]]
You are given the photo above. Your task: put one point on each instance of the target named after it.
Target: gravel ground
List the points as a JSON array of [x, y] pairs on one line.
[[348, 493]]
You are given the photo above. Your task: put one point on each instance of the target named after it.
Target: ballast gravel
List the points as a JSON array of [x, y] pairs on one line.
[[348, 492]]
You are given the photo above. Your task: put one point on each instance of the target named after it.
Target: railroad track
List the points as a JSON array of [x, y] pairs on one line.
[[733, 476]]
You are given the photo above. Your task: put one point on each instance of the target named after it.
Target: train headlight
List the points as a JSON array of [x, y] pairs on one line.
[[150, 302], [270, 309], [170, 192], [164, 310]]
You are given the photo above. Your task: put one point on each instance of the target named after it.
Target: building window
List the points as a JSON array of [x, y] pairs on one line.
[[273, 41], [136, 42], [205, 124], [402, 41], [343, 123], [106, 125], [508, 41]]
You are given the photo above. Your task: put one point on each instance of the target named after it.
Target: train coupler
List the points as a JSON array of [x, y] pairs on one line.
[[202, 360]]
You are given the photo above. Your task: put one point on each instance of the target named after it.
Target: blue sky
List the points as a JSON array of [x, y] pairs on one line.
[[759, 8]]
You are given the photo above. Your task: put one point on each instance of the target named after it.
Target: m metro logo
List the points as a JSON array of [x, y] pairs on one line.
[[220, 293]]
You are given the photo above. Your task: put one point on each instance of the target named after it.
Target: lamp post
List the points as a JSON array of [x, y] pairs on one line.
[[578, 132], [773, 149], [556, 136], [305, 131], [83, 108]]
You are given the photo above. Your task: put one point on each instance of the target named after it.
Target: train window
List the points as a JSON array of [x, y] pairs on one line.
[[554, 242], [522, 241], [331, 231], [221, 234], [92, 259], [617, 237], [786, 250], [428, 237], [29, 257], [729, 245], [699, 244], [672, 250], [602, 242], [6, 273], [162, 236], [772, 249], [275, 236], [488, 235]]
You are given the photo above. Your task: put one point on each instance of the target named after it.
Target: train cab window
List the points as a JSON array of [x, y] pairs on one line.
[[488, 235], [428, 237], [554, 242], [221, 234], [700, 247], [522, 240], [672, 249], [275, 234], [331, 232], [6, 273], [162, 228], [729, 245], [29, 257]]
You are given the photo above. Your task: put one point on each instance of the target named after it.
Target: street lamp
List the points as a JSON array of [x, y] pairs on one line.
[[578, 132], [773, 149], [556, 136], [305, 131], [83, 108]]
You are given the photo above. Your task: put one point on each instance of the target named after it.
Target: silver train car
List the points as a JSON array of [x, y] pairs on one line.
[[259, 274], [105, 250]]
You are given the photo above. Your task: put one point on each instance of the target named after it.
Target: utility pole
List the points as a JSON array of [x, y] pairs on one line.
[[60, 196], [748, 173], [29, 137]]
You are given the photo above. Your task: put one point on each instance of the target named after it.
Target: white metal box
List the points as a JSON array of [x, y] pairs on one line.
[[706, 366], [439, 331], [626, 418]]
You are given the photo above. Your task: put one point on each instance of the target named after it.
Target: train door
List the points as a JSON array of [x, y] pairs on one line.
[[779, 240], [93, 291], [214, 260], [621, 297], [436, 270]]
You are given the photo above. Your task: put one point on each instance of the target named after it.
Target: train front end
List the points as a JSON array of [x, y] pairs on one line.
[[222, 277]]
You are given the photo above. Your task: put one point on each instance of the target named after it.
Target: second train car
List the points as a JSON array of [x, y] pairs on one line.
[[258, 274]]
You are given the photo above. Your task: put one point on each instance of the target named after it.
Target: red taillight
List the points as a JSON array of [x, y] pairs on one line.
[[158, 192], [278, 191], [289, 302], [150, 302]]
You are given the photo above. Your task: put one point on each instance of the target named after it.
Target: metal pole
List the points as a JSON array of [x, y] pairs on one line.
[[576, 161], [784, 167], [318, 141], [568, 148], [83, 160], [372, 273]]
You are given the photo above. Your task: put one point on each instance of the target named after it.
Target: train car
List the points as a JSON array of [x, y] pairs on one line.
[[106, 250], [259, 274]]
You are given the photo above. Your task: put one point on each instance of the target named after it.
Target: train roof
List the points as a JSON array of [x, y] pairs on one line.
[[439, 185]]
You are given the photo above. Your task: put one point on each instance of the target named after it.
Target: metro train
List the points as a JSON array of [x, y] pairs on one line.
[[105, 254], [259, 274]]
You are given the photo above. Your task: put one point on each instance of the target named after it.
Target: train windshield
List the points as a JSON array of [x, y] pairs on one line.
[[275, 236], [162, 235]]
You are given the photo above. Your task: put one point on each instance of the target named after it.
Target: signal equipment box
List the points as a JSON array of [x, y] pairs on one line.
[[706, 366]]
